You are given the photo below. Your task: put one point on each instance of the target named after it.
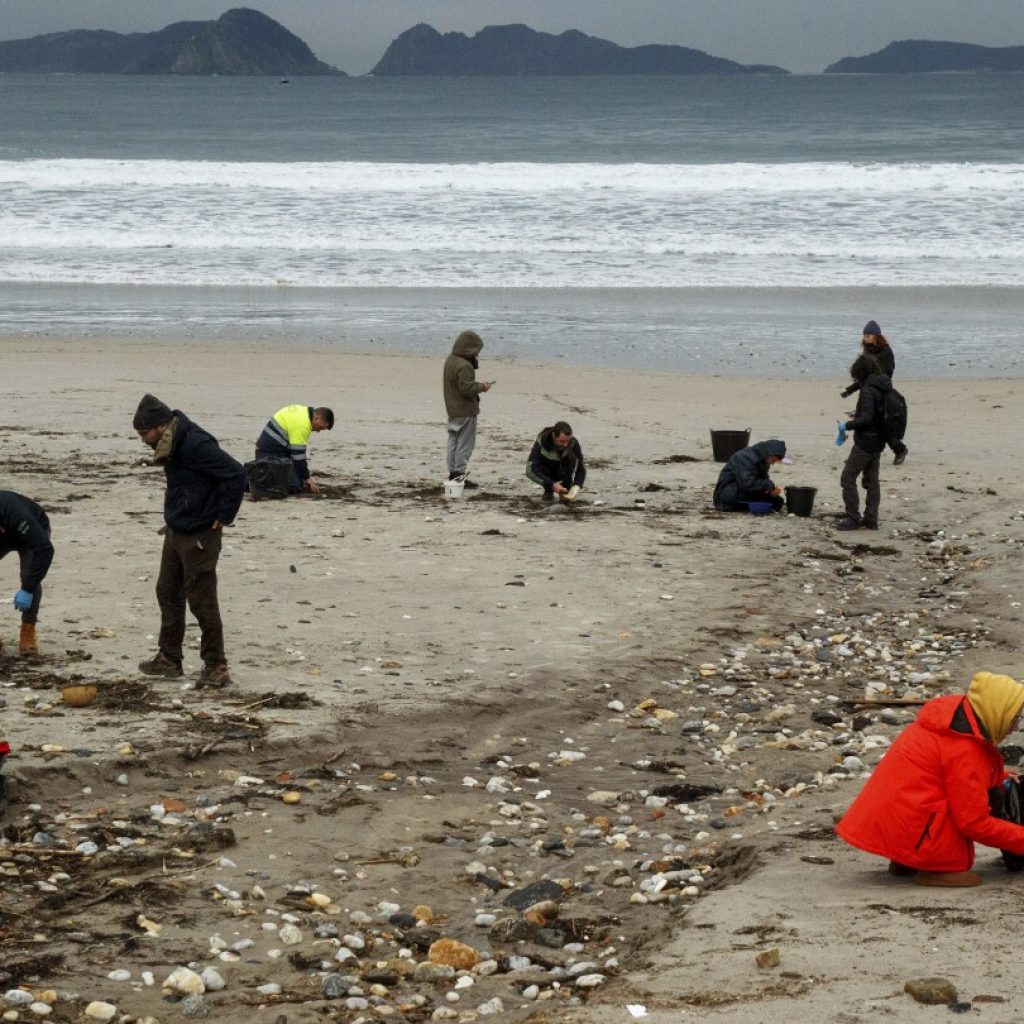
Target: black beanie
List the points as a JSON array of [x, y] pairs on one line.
[[871, 327], [151, 413]]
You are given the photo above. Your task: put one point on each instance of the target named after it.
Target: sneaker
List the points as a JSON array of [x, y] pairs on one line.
[[470, 485], [846, 523], [865, 525], [213, 677], [901, 457], [161, 665]]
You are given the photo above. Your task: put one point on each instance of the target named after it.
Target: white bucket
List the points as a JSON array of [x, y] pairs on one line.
[[454, 488]]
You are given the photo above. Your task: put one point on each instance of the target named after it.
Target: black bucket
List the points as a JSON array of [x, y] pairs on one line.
[[726, 443], [800, 500]]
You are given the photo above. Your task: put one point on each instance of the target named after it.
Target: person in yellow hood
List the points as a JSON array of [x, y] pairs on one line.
[[933, 795]]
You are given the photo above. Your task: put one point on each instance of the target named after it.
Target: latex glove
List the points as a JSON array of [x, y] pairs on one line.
[[572, 493], [840, 435], [22, 601]]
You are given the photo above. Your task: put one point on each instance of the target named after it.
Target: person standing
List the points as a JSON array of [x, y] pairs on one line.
[[25, 528], [204, 491], [875, 344], [462, 402], [868, 426], [556, 462], [285, 437]]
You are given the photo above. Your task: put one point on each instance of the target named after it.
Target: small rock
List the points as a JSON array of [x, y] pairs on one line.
[[768, 957], [589, 980], [18, 997], [194, 1006], [270, 989], [545, 889], [212, 980], [428, 971], [453, 953], [100, 1011], [931, 991], [184, 982], [492, 1006]]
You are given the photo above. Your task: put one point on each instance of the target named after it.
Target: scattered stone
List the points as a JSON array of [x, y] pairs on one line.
[[184, 982], [100, 1011], [768, 958], [452, 953], [931, 991]]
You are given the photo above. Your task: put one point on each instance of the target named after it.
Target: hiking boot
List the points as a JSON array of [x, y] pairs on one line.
[[948, 879], [27, 643], [865, 525], [161, 665], [846, 523], [901, 457], [470, 485], [213, 677]]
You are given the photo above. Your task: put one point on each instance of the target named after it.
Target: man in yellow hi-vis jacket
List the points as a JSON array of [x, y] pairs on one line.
[[285, 437]]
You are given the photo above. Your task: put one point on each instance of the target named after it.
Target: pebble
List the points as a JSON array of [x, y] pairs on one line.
[[100, 1011], [270, 989], [120, 975], [768, 958], [590, 980], [290, 935], [185, 982], [531, 992], [18, 997], [40, 1009], [194, 1006], [492, 1006], [931, 991], [212, 980]]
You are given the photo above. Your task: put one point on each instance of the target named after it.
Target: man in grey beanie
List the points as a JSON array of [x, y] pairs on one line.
[[204, 491]]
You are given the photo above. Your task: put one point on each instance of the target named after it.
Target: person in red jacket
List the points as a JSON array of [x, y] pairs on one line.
[[927, 802]]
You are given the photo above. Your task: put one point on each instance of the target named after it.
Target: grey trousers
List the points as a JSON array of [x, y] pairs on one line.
[[865, 465], [461, 442]]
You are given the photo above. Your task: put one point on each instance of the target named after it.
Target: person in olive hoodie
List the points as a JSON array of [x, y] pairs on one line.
[[205, 486], [868, 426], [462, 402], [744, 478]]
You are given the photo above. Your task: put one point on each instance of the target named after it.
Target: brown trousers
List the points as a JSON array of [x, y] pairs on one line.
[[188, 572]]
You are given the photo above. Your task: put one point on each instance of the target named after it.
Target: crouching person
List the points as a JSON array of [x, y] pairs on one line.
[[25, 528], [928, 801], [556, 462], [744, 478]]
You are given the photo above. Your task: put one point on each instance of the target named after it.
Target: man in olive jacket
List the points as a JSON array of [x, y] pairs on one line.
[[462, 402], [556, 462]]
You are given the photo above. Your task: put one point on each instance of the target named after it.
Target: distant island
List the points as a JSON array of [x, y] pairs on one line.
[[239, 42], [909, 56], [521, 50]]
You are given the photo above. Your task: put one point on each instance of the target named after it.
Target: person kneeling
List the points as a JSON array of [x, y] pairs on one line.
[[928, 801], [744, 478], [556, 462]]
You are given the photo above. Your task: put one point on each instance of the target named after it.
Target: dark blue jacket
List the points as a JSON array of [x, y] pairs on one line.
[[868, 423], [204, 483], [24, 526], [745, 476]]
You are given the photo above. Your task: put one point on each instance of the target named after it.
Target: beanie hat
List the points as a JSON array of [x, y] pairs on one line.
[[151, 413], [871, 327]]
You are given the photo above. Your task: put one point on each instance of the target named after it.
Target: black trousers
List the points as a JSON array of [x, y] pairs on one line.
[[188, 573], [864, 465], [32, 615]]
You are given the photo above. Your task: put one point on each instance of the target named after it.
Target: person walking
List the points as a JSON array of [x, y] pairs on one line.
[[204, 491], [744, 478], [285, 438], [868, 426], [875, 344], [462, 402], [25, 528], [929, 800]]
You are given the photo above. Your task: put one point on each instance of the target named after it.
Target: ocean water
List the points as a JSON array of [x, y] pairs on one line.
[[279, 203]]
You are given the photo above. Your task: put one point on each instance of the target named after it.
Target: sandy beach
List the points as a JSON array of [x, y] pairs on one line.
[[650, 705]]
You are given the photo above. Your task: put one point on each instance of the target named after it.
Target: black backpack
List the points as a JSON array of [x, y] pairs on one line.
[[269, 477], [894, 415]]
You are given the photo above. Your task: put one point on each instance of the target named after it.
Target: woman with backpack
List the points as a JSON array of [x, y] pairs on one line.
[[874, 343], [869, 438], [936, 792]]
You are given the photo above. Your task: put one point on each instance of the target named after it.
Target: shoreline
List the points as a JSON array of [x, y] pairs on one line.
[[936, 332]]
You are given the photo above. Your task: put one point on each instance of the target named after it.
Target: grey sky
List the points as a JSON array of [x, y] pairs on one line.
[[802, 35]]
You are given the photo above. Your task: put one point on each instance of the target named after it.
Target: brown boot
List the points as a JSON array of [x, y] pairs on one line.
[[27, 643], [213, 677], [948, 879]]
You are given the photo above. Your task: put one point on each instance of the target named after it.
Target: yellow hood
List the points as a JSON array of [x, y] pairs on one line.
[[997, 701]]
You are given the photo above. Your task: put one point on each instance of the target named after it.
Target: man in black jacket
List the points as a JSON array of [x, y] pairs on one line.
[[744, 478], [25, 528], [868, 426], [205, 486], [556, 462]]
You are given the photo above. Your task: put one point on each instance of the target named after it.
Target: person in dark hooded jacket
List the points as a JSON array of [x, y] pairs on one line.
[[462, 402], [868, 426], [874, 343], [744, 478], [204, 491], [556, 462]]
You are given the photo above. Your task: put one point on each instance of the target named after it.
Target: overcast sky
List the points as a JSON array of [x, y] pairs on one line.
[[801, 35]]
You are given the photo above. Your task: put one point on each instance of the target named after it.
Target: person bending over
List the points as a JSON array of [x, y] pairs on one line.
[[25, 528], [285, 438], [744, 478], [556, 462], [930, 798]]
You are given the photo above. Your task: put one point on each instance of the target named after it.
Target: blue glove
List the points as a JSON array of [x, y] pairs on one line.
[[22, 601], [840, 435]]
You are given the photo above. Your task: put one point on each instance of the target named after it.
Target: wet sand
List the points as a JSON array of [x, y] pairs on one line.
[[393, 652]]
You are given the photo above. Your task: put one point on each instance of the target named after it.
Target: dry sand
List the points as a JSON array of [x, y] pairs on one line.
[[401, 644]]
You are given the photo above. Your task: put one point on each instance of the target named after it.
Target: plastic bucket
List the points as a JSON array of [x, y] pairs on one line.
[[800, 500], [454, 488], [726, 443], [760, 508]]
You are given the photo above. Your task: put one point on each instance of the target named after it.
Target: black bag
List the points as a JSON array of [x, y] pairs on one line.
[[1007, 802], [894, 412], [269, 478]]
